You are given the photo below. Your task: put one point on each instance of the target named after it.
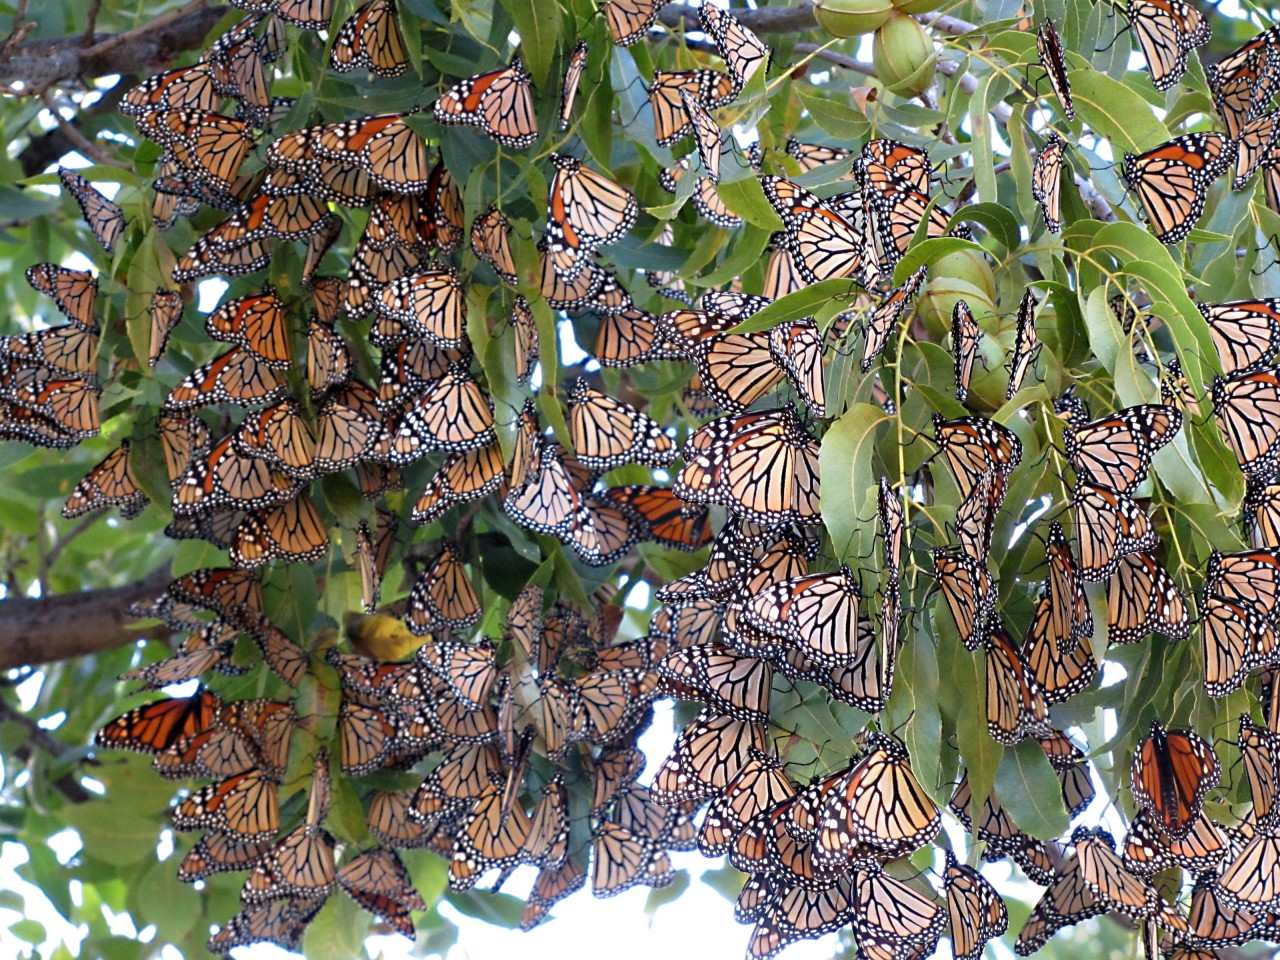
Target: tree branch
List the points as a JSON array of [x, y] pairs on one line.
[[72, 624], [37, 737], [31, 67]]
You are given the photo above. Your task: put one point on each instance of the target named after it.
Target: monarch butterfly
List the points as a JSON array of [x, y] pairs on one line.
[[996, 829], [572, 77], [372, 555], [706, 756], [969, 593], [1057, 649], [430, 304], [761, 465], [975, 445], [759, 786], [1213, 922], [712, 88], [782, 275], [879, 803], [190, 88], [1245, 333], [718, 676], [551, 886], [245, 806], [379, 882], [258, 323], [549, 500], [281, 922], [965, 337], [494, 835], [105, 219], [110, 483], [384, 147], [499, 102], [735, 369], [236, 376], [1026, 346], [975, 911], [220, 589], [370, 38], [1260, 750], [821, 243], [1167, 31], [75, 292], [888, 912], [154, 727], [1245, 407], [1236, 640], [1104, 873], [1067, 902], [585, 211], [818, 613], [705, 198], [1172, 771], [455, 415], [490, 242], [741, 50], [1250, 880], [607, 433], [1147, 850], [349, 429], [1142, 598], [469, 670], [1053, 59], [1171, 180], [629, 20], [301, 866], [1261, 516], [390, 822], [1109, 526], [225, 478], [625, 339], [219, 853], [1016, 706], [810, 156], [1116, 450], [1046, 180], [461, 477], [621, 860], [443, 597], [209, 146], [908, 162], [1253, 147], [1243, 81], [896, 207], [884, 319], [292, 532]]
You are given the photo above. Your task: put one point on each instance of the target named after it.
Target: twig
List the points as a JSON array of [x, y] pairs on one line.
[[20, 29], [92, 21], [111, 43], [55, 551], [79, 140], [67, 784]]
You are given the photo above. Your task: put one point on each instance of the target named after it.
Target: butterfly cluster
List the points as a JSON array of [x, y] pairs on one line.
[[413, 369]]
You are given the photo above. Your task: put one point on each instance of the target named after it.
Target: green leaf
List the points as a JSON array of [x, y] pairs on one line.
[[1029, 789], [747, 200], [500, 909], [849, 482], [661, 896], [802, 303], [539, 28]]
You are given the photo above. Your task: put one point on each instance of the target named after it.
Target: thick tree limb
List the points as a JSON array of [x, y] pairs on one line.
[[72, 624], [34, 66]]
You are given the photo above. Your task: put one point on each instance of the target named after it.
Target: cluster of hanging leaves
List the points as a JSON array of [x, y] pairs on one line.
[[833, 395]]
